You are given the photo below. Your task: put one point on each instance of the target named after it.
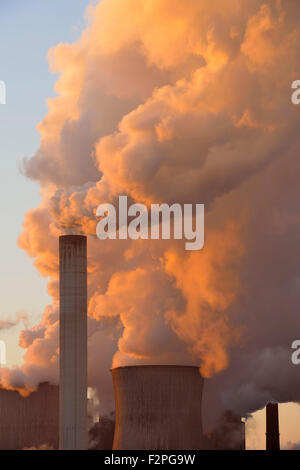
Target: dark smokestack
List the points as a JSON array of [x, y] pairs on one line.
[[158, 407], [272, 434], [73, 342], [243, 434]]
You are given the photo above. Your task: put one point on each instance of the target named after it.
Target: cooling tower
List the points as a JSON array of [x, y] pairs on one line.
[[272, 421], [29, 422], [158, 407], [73, 342]]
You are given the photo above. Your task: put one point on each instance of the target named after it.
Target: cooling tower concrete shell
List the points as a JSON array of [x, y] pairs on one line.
[[29, 422], [73, 342], [158, 407]]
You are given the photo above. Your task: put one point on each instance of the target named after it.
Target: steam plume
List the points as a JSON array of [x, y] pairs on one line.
[[171, 101]]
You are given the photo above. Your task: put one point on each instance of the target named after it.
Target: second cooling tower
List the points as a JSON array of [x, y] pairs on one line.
[[158, 407]]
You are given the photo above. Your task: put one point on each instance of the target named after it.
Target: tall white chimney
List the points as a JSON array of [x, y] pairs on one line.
[[73, 342]]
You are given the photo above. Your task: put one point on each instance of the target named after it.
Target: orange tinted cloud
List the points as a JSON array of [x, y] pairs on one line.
[[171, 101]]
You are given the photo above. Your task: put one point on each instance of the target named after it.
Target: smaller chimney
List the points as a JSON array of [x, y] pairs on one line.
[[243, 434], [272, 434]]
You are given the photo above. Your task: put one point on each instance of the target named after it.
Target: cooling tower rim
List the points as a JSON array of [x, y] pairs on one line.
[[155, 366]]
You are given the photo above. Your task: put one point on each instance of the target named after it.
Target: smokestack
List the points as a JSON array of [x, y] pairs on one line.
[[158, 407], [73, 342], [243, 434], [272, 434]]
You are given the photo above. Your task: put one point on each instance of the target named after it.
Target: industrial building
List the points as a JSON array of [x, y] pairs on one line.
[[29, 422], [158, 407]]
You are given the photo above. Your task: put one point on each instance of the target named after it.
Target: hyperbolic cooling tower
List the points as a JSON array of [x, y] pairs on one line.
[[158, 407], [73, 342]]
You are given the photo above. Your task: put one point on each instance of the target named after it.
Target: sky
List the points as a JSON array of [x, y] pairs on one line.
[[27, 31]]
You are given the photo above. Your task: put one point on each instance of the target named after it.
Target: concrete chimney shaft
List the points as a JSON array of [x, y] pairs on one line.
[[272, 422], [73, 342], [158, 407]]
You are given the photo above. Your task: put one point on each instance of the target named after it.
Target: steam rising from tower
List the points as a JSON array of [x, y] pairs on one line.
[[73, 342]]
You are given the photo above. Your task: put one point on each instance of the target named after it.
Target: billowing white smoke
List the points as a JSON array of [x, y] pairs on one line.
[[171, 101]]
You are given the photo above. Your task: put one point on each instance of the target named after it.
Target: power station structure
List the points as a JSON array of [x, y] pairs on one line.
[[158, 407], [272, 427], [29, 422], [73, 421], [243, 434]]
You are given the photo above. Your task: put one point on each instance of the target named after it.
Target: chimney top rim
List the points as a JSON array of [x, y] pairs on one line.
[[157, 366], [65, 237]]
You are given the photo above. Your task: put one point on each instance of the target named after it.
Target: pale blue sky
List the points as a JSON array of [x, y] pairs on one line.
[[28, 28]]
